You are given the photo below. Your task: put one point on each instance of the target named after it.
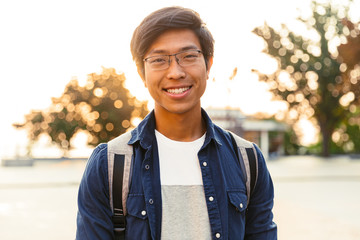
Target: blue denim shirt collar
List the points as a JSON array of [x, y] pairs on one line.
[[145, 131]]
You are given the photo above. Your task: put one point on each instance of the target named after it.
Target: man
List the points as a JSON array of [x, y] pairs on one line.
[[186, 180]]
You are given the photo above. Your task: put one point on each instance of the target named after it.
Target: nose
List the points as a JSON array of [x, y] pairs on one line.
[[175, 71]]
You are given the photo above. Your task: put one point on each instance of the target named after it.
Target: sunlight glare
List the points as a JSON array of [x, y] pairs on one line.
[[308, 132]]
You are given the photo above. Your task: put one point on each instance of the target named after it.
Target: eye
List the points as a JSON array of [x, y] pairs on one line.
[[157, 60], [190, 55]]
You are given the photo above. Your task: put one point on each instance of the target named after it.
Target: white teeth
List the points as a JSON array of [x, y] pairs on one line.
[[177, 90]]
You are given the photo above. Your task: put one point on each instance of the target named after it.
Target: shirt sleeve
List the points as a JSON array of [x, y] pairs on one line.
[[94, 213], [259, 218]]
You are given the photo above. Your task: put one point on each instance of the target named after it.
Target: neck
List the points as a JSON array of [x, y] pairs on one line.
[[184, 127]]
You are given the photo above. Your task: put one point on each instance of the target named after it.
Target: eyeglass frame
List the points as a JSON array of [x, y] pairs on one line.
[[169, 59]]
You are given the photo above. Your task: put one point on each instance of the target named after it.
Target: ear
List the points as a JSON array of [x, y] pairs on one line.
[[209, 64]]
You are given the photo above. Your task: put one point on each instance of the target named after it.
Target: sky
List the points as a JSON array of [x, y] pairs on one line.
[[46, 43]]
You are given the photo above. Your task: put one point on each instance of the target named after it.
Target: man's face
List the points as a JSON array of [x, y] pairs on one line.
[[176, 89]]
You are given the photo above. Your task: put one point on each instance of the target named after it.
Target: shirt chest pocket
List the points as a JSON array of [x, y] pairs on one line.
[[237, 204], [137, 224], [238, 200]]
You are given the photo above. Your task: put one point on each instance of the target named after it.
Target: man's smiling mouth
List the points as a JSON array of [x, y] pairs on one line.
[[177, 90]]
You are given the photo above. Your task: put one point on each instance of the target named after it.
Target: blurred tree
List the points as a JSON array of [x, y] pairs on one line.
[[311, 76], [291, 145], [103, 107], [349, 53], [346, 136]]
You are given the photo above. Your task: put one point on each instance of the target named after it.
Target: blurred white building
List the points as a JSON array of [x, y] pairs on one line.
[[255, 130]]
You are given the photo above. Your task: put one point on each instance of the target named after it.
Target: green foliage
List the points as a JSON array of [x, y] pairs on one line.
[[103, 107], [346, 136], [311, 77], [291, 144], [353, 144]]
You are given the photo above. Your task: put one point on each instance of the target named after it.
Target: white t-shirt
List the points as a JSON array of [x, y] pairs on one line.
[[184, 210]]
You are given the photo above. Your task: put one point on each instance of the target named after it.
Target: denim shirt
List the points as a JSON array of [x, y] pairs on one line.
[[223, 182]]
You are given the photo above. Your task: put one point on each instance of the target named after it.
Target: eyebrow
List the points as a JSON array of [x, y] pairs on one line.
[[161, 51]]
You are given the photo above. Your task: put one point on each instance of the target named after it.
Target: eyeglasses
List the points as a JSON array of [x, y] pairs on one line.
[[184, 59]]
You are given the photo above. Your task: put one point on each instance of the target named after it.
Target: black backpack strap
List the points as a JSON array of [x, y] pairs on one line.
[[253, 167], [119, 171], [118, 218]]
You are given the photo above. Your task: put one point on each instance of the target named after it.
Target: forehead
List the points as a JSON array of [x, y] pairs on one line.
[[174, 40]]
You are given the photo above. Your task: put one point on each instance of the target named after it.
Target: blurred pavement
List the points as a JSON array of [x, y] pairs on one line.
[[314, 199]]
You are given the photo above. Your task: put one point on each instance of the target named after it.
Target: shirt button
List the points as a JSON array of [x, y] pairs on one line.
[[151, 201], [211, 199], [204, 164], [217, 235], [147, 167], [143, 213], [241, 205]]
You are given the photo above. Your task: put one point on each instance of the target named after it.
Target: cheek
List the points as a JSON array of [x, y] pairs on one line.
[[148, 80], [150, 85], [146, 77], [204, 87]]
